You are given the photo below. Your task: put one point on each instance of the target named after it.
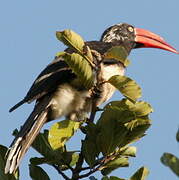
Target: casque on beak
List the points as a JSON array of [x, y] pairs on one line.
[[151, 40]]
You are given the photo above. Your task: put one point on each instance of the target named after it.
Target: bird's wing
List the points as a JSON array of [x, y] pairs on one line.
[[56, 73]]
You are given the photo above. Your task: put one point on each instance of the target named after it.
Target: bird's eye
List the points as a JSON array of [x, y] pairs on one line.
[[130, 29]]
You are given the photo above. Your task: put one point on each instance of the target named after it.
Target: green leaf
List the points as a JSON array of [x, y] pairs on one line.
[[42, 145], [171, 161], [140, 108], [75, 41], [89, 146], [126, 86], [177, 136], [136, 123], [114, 164], [60, 54], [112, 129], [92, 178], [131, 122], [37, 173], [119, 53], [89, 151], [81, 62], [61, 132], [105, 178], [81, 68], [136, 130], [105, 138], [71, 39], [88, 55], [39, 161], [4, 176], [70, 158], [120, 114], [115, 178], [141, 174], [111, 178], [129, 151]]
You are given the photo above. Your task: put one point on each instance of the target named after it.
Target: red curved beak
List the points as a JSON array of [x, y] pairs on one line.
[[151, 40]]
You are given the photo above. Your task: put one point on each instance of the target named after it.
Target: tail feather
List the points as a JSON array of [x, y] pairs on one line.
[[17, 105], [26, 136]]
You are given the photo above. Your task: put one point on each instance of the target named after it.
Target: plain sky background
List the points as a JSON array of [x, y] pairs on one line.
[[28, 44]]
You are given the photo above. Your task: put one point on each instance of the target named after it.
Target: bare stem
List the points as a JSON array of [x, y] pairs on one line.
[[89, 173], [77, 169], [97, 88], [60, 172], [93, 111]]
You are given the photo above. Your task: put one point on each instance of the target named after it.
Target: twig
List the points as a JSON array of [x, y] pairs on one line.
[[100, 164], [97, 89], [79, 163], [96, 92], [76, 171], [90, 172], [93, 110], [60, 172], [85, 168], [69, 167]]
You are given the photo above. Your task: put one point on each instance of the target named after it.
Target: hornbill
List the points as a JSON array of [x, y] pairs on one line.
[[57, 95]]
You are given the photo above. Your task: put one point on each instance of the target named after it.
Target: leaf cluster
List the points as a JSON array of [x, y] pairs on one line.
[[121, 123], [171, 160]]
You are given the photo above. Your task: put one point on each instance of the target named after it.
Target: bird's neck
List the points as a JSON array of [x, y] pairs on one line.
[[103, 47]]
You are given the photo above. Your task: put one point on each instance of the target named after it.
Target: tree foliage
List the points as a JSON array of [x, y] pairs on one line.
[[171, 160], [106, 141]]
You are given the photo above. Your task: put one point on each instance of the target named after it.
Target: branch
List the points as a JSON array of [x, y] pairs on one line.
[[76, 171], [96, 92], [90, 172], [94, 107], [69, 167], [97, 89], [101, 163], [85, 168], [60, 172]]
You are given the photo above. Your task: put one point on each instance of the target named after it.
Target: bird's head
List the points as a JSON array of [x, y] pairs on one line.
[[131, 37]]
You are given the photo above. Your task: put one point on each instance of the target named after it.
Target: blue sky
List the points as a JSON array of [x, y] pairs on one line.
[[28, 44]]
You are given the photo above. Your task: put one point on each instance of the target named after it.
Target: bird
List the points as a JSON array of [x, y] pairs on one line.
[[57, 95]]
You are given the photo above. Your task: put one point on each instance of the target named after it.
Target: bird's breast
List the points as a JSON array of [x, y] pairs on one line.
[[108, 71], [71, 102], [67, 100]]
